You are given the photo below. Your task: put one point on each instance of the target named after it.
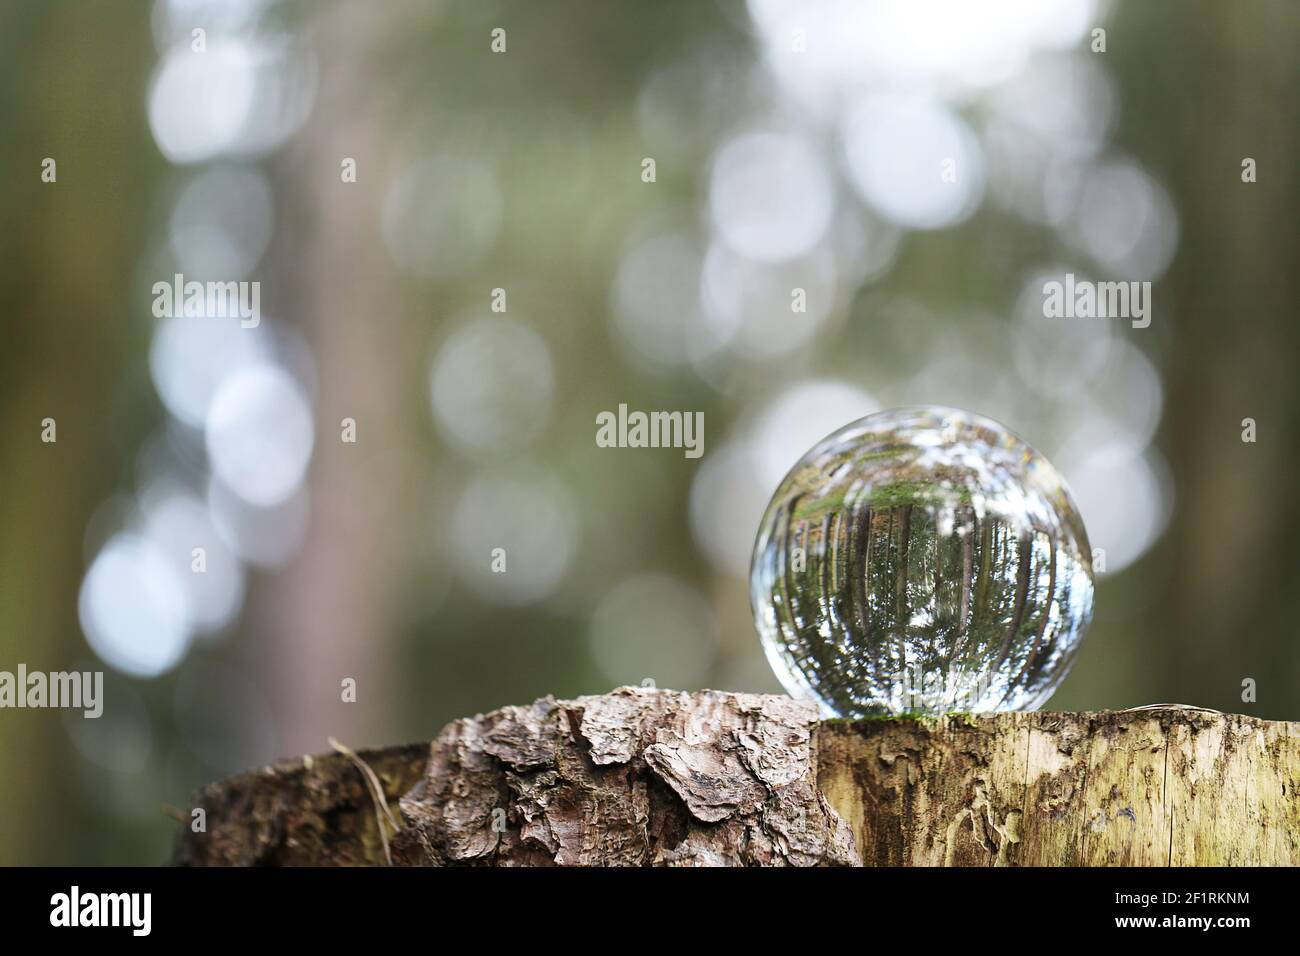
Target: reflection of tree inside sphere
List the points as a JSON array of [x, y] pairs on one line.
[[922, 560]]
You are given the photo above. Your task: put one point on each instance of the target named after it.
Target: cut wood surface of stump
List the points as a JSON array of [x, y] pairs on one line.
[[653, 777]]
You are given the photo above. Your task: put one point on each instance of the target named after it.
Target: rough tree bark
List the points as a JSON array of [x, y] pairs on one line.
[[649, 777]]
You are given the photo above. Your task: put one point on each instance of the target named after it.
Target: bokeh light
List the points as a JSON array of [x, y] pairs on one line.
[[222, 222], [441, 215], [652, 627], [190, 359], [1126, 221], [260, 434], [179, 523], [658, 323], [133, 609], [529, 521], [491, 386], [199, 105], [770, 196], [914, 161]]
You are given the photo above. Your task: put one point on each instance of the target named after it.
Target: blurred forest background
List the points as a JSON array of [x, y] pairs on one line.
[[795, 146]]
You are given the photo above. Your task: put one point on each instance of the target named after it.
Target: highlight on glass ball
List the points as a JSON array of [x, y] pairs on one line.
[[922, 560]]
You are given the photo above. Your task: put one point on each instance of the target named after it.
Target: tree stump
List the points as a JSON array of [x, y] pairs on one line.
[[652, 777]]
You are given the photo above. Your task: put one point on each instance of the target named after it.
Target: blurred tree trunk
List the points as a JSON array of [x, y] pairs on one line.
[[346, 580], [1227, 73], [70, 248]]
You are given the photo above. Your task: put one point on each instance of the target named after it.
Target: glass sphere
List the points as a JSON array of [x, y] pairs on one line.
[[922, 560]]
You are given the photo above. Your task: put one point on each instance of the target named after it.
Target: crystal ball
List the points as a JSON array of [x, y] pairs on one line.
[[922, 560]]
